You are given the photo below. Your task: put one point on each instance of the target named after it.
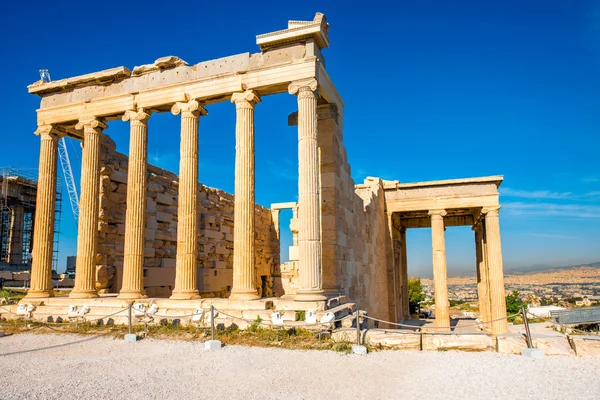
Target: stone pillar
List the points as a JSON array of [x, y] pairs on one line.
[[43, 241], [395, 299], [85, 270], [186, 286], [135, 218], [495, 270], [17, 223], [406, 303], [440, 277], [244, 267], [309, 218], [482, 274]]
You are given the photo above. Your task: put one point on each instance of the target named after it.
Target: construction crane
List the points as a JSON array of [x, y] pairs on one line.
[[63, 155], [65, 163]]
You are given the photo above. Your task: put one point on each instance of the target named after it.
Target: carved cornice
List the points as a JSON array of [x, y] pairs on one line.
[[49, 130], [440, 213], [139, 116], [302, 85], [190, 109], [247, 98]]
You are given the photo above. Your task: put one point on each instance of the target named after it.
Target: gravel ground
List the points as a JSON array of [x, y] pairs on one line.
[[83, 367]]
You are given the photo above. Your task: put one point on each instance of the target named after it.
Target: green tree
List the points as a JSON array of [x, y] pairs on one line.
[[513, 303], [415, 290]]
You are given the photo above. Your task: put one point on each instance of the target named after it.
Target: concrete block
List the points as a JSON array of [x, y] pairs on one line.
[[212, 345], [130, 338], [533, 353], [359, 349]]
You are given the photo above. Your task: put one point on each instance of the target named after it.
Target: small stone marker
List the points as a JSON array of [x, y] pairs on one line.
[[359, 349], [1, 333], [130, 338], [533, 353], [212, 344]]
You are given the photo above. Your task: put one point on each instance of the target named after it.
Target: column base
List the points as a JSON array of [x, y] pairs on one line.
[[310, 295], [442, 326], [38, 294], [187, 294], [131, 294], [244, 294], [83, 294]]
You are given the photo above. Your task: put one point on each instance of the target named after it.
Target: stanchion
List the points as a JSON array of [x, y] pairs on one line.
[[358, 348], [212, 344], [130, 337], [529, 351]]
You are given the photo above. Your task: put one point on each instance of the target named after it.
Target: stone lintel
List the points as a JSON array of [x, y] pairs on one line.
[[284, 206]]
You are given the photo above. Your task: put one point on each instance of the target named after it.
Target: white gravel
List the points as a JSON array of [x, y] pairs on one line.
[[83, 367]]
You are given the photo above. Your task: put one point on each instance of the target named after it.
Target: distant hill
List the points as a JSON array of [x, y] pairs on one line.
[[540, 268]]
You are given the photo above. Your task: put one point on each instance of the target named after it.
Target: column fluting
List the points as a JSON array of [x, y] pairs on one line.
[[493, 249], [135, 217], [309, 218], [440, 275], [85, 270], [403, 255], [43, 234], [244, 267], [482, 274], [186, 286]]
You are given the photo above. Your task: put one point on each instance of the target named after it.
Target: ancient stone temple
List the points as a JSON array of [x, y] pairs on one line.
[[151, 236]]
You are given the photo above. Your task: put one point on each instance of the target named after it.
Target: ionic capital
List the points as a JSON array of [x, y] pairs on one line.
[[49, 130], [91, 125], [307, 86], [439, 213], [190, 109], [249, 98], [490, 211], [136, 116]]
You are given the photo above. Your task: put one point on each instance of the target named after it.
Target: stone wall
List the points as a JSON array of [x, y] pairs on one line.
[[215, 248], [353, 226]]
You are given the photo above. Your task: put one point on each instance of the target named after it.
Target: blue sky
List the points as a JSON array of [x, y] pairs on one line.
[[433, 90]]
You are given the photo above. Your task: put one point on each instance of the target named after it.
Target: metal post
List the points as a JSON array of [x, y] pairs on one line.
[[357, 329], [527, 331], [212, 322], [129, 318]]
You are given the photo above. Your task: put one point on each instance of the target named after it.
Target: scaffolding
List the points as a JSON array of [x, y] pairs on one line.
[[18, 190]]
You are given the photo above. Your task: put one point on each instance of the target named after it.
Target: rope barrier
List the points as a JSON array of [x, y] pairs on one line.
[[549, 320], [295, 324], [440, 327], [283, 324]]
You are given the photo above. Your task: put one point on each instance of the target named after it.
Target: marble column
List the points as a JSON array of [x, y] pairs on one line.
[[482, 274], [309, 218], [43, 235], [135, 217], [495, 270], [186, 286], [85, 270], [244, 267], [403, 257], [440, 276], [17, 223]]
